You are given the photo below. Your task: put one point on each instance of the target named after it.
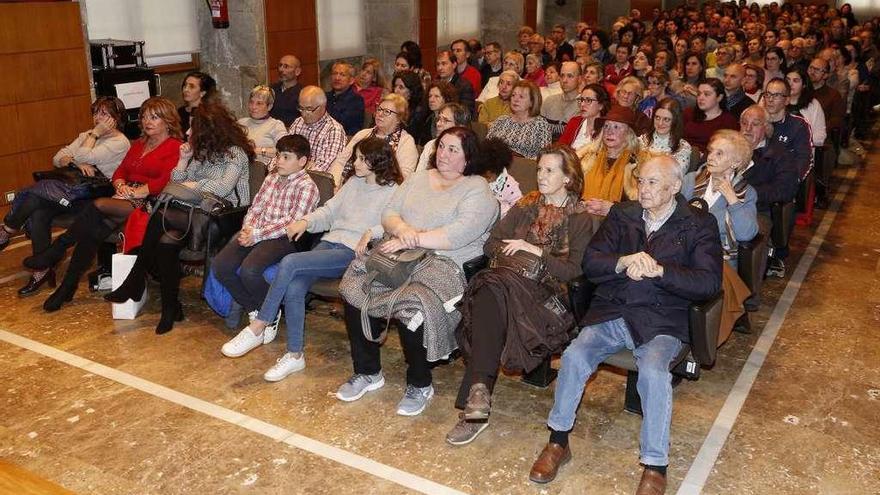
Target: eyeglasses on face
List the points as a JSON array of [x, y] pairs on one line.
[[777, 96], [586, 99], [385, 111], [308, 109]]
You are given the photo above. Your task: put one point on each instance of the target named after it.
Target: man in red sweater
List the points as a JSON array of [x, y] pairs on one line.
[[462, 52]]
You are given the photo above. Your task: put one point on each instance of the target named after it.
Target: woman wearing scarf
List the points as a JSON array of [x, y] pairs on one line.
[[511, 320], [608, 169], [733, 202], [391, 113]]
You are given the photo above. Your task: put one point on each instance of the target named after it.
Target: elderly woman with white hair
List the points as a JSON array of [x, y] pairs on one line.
[[514, 61], [262, 130], [733, 203]]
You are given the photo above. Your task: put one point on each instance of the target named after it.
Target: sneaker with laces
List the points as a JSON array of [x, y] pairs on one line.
[[286, 365], [271, 329], [775, 268], [414, 400], [358, 385], [242, 343], [464, 431]]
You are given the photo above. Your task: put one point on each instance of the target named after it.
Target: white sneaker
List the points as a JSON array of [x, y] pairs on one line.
[[285, 365], [271, 329], [242, 343]]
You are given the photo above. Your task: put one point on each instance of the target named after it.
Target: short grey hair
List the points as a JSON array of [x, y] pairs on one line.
[[510, 73], [263, 92], [351, 70]]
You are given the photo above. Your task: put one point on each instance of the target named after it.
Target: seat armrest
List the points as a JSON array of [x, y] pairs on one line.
[[752, 261], [580, 293], [474, 265], [704, 325], [781, 214]]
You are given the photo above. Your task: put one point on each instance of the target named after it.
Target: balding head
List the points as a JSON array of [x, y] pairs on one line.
[[289, 69], [312, 104], [733, 77], [659, 180]]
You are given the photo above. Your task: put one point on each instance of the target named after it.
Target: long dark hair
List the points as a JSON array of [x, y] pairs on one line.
[[718, 87], [687, 56], [604, 99], [214, 130], [676, 131], [381, 158], [807, 91], [206, 84], [414, 84], [469, 145], [412, 48], [114, 108]]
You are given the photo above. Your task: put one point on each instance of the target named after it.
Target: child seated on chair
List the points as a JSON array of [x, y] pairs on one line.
[[287, 194]]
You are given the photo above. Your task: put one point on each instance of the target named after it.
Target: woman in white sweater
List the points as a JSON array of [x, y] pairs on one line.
[[263, 130], [391, 115], [801, 102], [351, 219]]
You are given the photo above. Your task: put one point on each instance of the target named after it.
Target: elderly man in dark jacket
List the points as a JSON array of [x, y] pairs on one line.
[[650, 260]]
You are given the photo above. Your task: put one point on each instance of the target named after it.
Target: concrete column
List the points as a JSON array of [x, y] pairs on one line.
[[388, 24], [501, 22], [236, 56], [567, 15]]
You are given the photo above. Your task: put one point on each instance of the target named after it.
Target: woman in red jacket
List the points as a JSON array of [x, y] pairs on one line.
[[143, 172], [584, 128]]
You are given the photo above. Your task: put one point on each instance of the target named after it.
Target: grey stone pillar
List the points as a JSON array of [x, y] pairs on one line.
[[567, 14], [236, 56], [388, 24], [501, 21]]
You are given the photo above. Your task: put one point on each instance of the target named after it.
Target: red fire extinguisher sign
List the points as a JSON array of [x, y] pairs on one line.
[[219, 13]]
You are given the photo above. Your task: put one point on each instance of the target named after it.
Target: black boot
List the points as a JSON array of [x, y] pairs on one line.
[[169, 286], [83, 254], [52, 255], [133, 285]]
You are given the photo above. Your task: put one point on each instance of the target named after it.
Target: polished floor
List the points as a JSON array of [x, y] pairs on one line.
[[107, 407]]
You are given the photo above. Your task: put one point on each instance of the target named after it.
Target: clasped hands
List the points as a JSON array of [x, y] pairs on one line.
[[406, 237], [640, 265]]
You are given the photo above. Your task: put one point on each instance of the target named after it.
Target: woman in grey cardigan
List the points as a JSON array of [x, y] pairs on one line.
[[351, 219], [449, 209], [215, 161]]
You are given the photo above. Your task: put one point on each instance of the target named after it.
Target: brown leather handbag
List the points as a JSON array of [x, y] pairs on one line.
[[522, 262]]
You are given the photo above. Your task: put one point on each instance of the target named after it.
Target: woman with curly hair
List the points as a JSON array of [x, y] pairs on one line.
[[351, 219], [143, 172], [407, 84], [215, 161], [196, 88]]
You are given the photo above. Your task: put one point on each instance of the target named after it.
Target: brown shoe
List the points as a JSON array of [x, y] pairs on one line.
[[478, 402], [652, 483], [548, 463]]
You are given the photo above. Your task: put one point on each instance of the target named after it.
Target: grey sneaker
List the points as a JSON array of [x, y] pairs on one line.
[[414, 400], [358, 385], [464, 432]]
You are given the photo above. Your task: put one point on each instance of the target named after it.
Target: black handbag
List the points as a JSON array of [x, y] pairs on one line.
[[521, 262], [197, 204], [67, 184]]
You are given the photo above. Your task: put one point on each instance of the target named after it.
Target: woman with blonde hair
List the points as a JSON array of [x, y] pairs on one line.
[[608, 169], [371, 84], [391, 116], [524, 130]]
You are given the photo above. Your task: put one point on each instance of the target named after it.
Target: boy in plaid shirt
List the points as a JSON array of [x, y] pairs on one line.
[[287, 195]]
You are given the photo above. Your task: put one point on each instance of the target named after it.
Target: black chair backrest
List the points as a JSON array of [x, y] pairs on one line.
[[525, 172], [782, 215], [696, 161], [705, 324], [325, 184], [752, 261], [256, 175]]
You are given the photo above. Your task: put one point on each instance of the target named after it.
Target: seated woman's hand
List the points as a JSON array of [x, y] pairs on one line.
[[296, 229], [598, 206], [191, 184], [86, 169], [186, 151], [363, 243], [139, 192], [392, 246], [511, 246], [408, 236]]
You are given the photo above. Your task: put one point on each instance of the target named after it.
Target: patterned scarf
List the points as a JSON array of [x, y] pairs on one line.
[[549, 227], [392, 139]]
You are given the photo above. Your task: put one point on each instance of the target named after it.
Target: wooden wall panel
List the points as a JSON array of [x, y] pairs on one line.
[[590, 11], [530, 13], [428, 33], [44, 87], [292, 27]]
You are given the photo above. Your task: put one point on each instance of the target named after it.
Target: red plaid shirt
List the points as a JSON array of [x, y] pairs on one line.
[[281, 199]]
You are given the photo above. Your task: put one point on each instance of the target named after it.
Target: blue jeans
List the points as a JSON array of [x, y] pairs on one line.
[[296, 273], [588, 350]]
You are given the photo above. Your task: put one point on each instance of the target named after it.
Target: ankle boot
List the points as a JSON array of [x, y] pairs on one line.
[[63, 294], [52, 255], [133, 285], [169, 286], [83, 255]]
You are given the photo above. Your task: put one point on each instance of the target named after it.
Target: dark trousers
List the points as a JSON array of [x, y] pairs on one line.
[[40, 212], [488, 335], [240, 268], [365, 355]]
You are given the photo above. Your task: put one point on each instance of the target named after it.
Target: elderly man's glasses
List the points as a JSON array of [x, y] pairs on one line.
[[308, 109], [776, 96]]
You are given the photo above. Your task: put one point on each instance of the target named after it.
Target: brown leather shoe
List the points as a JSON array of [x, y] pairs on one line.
[[548, 463], [652, 483]]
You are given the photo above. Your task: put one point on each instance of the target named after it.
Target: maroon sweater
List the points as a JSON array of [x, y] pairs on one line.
[[698, 133]]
